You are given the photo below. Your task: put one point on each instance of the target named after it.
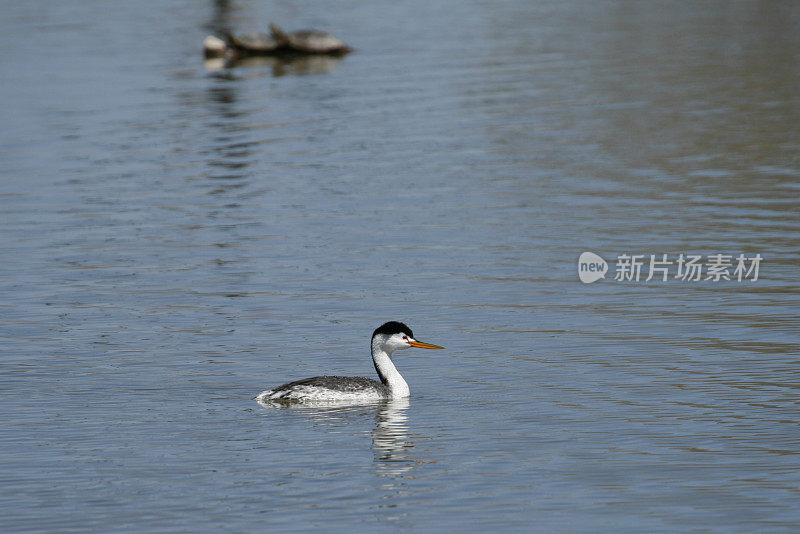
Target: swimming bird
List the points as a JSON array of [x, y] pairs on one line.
[[386, 339]]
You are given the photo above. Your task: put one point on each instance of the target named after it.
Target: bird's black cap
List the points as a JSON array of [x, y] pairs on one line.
[[393, 327]]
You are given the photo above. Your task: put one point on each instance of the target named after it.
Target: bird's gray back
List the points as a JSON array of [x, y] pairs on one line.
[[337, 383]]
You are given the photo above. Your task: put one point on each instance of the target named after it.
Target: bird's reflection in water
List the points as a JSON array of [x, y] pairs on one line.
[[393, 461], [281, 65], [390, 442], [391, 445]]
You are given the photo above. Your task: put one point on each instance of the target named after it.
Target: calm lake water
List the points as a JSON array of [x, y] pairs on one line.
[[177, 237]]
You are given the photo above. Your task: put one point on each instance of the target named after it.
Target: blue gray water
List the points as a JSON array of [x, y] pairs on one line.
[[177, 238]]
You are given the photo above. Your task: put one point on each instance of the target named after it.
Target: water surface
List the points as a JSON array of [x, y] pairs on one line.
[[177, 239]]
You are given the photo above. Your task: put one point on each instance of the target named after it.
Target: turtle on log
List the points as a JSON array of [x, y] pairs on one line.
[[310, 41], [300, 42]]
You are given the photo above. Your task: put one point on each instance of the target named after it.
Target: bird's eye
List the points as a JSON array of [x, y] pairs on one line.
[[405, 337]]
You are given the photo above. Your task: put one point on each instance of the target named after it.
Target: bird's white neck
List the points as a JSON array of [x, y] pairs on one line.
[[388, 373]]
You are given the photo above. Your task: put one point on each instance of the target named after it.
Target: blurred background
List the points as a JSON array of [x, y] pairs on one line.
[[178, 236]]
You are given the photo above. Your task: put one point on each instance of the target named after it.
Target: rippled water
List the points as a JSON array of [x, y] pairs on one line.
[[177, 238]]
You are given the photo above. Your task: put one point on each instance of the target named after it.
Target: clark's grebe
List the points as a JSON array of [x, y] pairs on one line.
[[386, 339]]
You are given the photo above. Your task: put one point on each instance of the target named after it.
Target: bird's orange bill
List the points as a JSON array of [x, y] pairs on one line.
[[421, 345]]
